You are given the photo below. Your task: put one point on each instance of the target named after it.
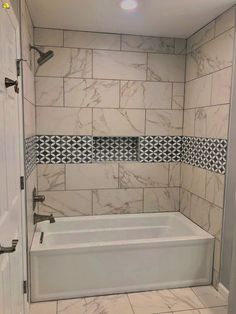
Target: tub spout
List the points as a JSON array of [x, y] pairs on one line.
[[40, 218]]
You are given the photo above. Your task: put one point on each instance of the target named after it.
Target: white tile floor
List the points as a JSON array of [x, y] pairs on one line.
[[199, 300]]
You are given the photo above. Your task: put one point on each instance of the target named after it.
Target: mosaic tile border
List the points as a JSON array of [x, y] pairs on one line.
[[206, 153], [115, 149], [30, 155], [160, 148]]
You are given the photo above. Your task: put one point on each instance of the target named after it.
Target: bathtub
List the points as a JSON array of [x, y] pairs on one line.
[[87, 256]]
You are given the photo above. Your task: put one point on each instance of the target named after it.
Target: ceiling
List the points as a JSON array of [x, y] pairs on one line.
[[166, 18]]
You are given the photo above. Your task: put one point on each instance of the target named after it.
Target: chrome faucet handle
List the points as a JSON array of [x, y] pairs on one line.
[[37, 198]]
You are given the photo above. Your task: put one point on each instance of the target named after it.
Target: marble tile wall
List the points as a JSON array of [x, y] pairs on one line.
[[206, 115], [109, 85]]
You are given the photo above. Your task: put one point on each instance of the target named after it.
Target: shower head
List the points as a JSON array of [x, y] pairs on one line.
[[43, 56]]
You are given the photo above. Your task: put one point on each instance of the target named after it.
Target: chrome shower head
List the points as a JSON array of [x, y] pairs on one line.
[[43, 56]]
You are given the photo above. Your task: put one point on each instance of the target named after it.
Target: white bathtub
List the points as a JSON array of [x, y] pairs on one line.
[[118, 253]]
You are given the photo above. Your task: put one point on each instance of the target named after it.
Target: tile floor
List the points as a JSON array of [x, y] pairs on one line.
[[199, 300]]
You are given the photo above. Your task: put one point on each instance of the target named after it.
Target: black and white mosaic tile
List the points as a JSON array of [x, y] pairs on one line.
[[206, 153], [57, 149], [115, 148], [160, 148], [30, 154]]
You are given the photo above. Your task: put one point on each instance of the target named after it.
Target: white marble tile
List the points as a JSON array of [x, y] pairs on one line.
[[194, 179], [92, 176], [67, 62], [198, 92], [206, 215], [180, 46], [163, 67], [136, 94], [51, 177], [174, 174], [67, 203], [117, 201], [43, 307], [215, 55], [216, 310], [201, 37], [209, 296], [91, 40], [178, 96], [29, 118], [221, 86], [164, 301], [185, 202], [65, 121], [215, 184], [135, 175], [72, 306], [115, 304], [48, 37], [49, 91], [119, 65], [147, 44], [164, 122], [161, 200], [91, 93], [212, 121], [118, 122], [189, 121], [225, 21]]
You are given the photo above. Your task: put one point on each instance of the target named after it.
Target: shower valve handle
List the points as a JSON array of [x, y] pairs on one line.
[[9, 82]]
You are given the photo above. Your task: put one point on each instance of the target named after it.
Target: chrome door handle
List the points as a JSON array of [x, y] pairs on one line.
[[9, 249], [9, 83]]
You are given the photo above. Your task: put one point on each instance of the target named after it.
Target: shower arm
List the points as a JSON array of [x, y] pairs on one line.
[[35, 48]]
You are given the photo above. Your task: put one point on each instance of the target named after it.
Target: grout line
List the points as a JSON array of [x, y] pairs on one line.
[[204, 75], [130, 303]]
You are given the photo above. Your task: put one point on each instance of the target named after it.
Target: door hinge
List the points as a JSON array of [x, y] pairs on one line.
[[22, 183], [25, 286], [18, 61]]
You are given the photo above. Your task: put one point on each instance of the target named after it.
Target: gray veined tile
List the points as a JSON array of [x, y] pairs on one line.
[[180, 46], [147, 44], [161, 200], [221, 86], [65, 121], [215, 55], [67, 203], [178, 96], [135, 175], [225, 21], [48, 37], [49, 91], [216, 310], [91, 93], [119, 65], [73, 306], [167, 68], [136, 94], [118, 122], [164, 301], [51, 177], [95, 176], [215, 184], [209, 296], [201, 37], [115, 304], [121, 201], [67, 62], [91, 40], [164, 122]]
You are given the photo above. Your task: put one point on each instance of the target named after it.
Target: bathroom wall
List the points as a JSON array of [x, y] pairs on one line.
[[205, 130], [109, 122], [29, 113]]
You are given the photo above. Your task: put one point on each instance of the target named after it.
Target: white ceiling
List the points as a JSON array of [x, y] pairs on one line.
[[167, 18]]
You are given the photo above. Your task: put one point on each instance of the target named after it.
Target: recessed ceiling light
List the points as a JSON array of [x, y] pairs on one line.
[[129, 4]]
